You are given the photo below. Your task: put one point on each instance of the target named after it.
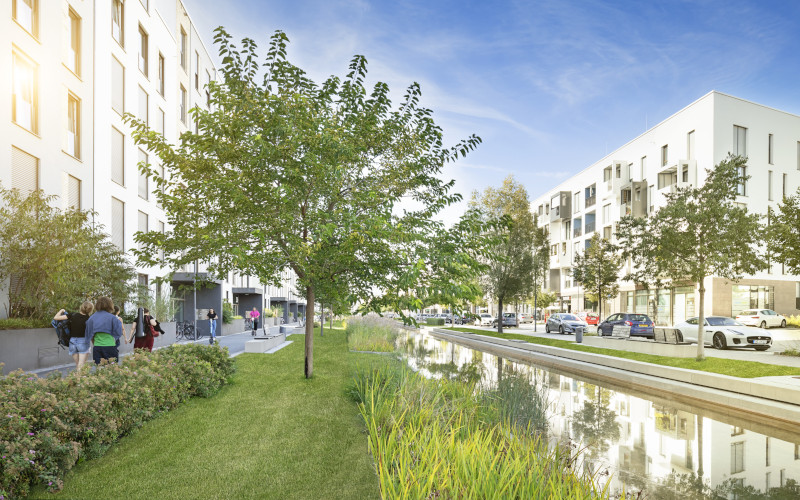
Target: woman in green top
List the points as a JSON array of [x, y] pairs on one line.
[[105, 330]]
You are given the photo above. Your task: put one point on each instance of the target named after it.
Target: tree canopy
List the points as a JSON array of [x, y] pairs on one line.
[[326, 179], [509, 269], [56, 258], [784, 233], [597, 269], [700, 232]]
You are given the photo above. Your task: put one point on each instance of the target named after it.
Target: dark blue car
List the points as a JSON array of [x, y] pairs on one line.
[[641, 324]]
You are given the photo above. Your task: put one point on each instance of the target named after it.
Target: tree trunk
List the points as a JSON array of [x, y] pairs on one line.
[[500, 316], [535, 296], [701, 319], [321, 319], [309, 366]]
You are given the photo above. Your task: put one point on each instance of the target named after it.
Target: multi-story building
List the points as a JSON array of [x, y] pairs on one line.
[[74, 68], [634, 180]]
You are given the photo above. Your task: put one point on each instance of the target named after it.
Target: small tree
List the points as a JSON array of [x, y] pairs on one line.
[[597, 269], [55, 258], [700, 232], [509, 270], [784, 233]]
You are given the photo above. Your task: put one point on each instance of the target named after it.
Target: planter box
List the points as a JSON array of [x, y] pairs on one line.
[[236, 326]]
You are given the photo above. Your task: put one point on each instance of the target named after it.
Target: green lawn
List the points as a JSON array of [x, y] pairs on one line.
[[270, 434], [732, 367]]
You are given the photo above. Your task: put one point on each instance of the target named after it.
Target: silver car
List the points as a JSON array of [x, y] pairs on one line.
[[564, 323]]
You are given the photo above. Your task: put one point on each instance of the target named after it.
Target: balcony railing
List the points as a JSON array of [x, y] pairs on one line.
[[576, 232], [590, 201], [589, 227]]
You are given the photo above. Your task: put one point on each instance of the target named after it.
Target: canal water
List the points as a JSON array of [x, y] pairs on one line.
[[635, 442]]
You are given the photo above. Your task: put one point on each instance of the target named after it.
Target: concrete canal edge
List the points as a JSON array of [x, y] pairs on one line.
[[775, 398]]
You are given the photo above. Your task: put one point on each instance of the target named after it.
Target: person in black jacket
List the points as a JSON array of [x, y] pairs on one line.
[[212, 318], [79, 344]]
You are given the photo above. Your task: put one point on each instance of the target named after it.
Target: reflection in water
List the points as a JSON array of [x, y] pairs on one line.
[[663, 449]]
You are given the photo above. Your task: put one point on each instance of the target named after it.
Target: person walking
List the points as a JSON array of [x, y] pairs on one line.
[[212, 319], [125, 337], [145, 339], [254, 314], [104, 329], [79, 345]]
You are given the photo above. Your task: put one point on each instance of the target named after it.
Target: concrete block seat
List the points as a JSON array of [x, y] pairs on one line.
[[264, 343]]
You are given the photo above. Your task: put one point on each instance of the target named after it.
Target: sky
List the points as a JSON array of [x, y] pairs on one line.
[[550, 86]]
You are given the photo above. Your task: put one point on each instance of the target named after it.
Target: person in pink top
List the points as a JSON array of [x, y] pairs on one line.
[[254, 315]]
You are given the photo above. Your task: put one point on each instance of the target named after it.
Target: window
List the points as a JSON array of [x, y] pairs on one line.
[[737, 457], [607, 174], [183, 105], [117, 86], [607, 232], [25, 99], [144, 190], [650, 197], [607, 214], [24, 171], [739, 141], [183, 49], [690, 145], [142, 226], [664, 155], [143, 40], [576, 206], [72, 192], [160, 121], [643, 168], [161, 73], [196, 70], [26, 14], [767, 453], [783, 190], [769, 149], [118, 223], [741, 190], [72, 141], [590, 195], [74, 53], [117, 157], [769, 185], [118, 22], [143, 106]]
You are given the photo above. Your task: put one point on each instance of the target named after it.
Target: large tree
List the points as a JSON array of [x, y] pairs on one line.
[[540, 264], [700, 232], [509, 272], [285, 172], [55, 258], [597, 269], [784, 233]]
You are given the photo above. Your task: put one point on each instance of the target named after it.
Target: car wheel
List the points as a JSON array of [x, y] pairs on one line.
[[719, 341], [783, 324], [561, 330], [547, 328], [762, 348], [763, 325]]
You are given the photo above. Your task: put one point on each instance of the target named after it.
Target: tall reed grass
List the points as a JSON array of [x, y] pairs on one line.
[[440, 439], [371, 333]]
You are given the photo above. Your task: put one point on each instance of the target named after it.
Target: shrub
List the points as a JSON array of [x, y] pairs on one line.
[[48, 424], [793, 320], [790, 352], [435, 322], [227, 312], [23, 324], [371, 333]]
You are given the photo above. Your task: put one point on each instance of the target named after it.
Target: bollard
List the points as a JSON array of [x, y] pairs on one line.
[[579, 335]]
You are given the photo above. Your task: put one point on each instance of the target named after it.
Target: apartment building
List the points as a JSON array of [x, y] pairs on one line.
[[76, 67], [635, 178]]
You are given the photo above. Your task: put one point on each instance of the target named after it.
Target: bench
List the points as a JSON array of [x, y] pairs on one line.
[[264, 343], [621, 332], [667, 335]]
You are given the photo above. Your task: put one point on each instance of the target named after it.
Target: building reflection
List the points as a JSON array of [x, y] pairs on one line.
[[635, 442]]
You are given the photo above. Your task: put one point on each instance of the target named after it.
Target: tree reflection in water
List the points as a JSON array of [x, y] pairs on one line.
[[596, 424]]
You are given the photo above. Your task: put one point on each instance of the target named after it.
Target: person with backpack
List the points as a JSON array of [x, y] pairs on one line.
[[145, 334], [79, 344], [105, 330]]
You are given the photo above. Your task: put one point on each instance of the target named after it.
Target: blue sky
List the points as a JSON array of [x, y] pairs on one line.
[[550, 86]]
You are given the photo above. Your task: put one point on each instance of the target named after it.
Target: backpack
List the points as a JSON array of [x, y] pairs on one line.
[[62, 331]]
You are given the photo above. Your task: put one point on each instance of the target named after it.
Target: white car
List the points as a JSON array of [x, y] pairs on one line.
[[763, 318], [722, 333], [485, 319]]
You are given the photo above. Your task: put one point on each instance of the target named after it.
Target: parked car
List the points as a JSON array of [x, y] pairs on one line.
[[485, 319], [641, 324], [525, 318], [564, 323], [591, 318], [509, 319], [722, 333], [763, 318]]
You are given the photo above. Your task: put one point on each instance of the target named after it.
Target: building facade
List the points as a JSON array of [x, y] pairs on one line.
[[635, 178], [75, 67]]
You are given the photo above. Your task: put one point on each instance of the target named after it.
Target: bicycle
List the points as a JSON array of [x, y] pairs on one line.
[[185, 330]]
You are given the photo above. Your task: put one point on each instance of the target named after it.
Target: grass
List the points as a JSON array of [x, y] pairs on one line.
[[732, 367], [790, 352], [371, 334], [270, 434]]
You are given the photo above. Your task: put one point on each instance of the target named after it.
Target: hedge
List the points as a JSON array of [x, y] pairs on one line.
[[435, 321], [49, 424]]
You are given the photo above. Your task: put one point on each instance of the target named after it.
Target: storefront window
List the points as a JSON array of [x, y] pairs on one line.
[[751, 297]]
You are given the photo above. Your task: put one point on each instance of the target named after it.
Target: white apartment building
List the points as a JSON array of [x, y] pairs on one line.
[[73, 67], [634, 179]]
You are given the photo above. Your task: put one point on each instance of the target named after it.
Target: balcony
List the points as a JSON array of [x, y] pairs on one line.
[[577, 232], [589, 227], [590, 201], [561, 206]]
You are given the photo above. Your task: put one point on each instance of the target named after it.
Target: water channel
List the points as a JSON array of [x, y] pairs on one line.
[[636, 441]]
